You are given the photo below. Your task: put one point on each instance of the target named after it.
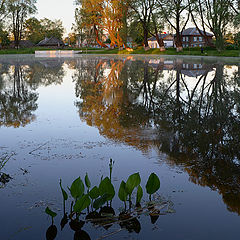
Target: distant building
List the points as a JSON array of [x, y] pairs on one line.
[[23, 44], [168, 41], [191, 37], [51, 42]]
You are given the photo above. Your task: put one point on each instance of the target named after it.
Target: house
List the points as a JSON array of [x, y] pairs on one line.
[[51, 42], [168, 41], [191, 37], [22, 44]]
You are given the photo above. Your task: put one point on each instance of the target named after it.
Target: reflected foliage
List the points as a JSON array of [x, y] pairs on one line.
[[188, 110], [18, 84]]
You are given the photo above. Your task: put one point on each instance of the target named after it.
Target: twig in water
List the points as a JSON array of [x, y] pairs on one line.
[[110, 234], [38, 148]]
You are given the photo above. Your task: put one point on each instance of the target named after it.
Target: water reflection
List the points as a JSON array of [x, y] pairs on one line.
[[188, 110], [19, 81]]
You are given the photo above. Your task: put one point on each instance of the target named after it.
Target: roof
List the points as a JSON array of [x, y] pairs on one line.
[[52, 41], [195, 32], [23, 44], [160, 36]]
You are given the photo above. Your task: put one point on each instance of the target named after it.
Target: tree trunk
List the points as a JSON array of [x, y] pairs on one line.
[[145, 32], [97, 38]]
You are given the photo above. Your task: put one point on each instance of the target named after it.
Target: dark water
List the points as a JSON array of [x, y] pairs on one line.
[[178, 118]]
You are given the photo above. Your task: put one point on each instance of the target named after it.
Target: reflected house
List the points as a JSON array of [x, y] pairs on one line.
[[168, 40], [186, 68]]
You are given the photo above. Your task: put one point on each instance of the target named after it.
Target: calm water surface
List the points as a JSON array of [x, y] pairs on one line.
[[176, 117]]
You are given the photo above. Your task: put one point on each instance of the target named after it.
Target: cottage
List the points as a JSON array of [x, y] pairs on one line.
[[191, 37], [51, 42], [168, 41], [22, 44]]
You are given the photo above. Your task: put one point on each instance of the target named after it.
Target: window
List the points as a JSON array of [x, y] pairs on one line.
[[194, 39], [200, 39], [184, 39], [187, 39]]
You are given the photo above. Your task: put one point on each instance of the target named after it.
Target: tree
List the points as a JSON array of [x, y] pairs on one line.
[[176, 13], [143, 11], [102, 16], [52, 28], [35, 30], [214, 15], [19, 10]]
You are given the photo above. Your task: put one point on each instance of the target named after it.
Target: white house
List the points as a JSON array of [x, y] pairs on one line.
[[168, 41]]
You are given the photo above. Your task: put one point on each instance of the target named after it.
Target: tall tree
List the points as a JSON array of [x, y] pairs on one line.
[[18, 11], [176, 13], [143, 11], [215, 15]]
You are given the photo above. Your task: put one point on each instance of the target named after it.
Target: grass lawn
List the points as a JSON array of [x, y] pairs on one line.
[[140, 50], [171, 51]]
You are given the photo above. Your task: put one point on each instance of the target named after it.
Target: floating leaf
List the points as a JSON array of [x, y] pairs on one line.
[[132, 182], [153, 184], [77, 188], [94, 193], [50, 212], [139, 195], [122, 193], [82, 203], [65, 196], [106, 187], [87, 181], [100, 201]]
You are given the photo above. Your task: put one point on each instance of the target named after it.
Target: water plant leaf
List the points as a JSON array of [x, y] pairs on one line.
[[106, 187], [122, 192], [139, 195], [153, 184], [65, 196], [94, 193], [82, 203], [77, 188], [50, 212], [100, 201], [132, 182], [87, 181]]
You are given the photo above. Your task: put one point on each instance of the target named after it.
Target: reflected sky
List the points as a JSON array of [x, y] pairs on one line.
[[61, 118]]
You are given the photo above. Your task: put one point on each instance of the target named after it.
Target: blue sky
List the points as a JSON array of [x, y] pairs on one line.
[[57, 9]]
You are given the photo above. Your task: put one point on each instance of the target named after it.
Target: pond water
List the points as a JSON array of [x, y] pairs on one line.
[[176, 117]]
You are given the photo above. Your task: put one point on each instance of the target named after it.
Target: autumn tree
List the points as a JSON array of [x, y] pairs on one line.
[[18, 11], [102, 16]]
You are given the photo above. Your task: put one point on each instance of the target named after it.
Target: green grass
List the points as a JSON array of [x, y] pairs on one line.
[[140, 50], [171, 51]]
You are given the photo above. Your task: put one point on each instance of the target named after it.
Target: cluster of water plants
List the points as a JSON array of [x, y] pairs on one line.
[[4, 178], [94, 204]]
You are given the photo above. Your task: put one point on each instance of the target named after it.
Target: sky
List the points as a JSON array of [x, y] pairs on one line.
[[57, 9]]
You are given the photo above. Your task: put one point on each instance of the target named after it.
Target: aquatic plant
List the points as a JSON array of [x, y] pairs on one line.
[[96, 203]]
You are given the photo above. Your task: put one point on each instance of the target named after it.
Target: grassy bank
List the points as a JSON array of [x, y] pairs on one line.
[[170, 51]]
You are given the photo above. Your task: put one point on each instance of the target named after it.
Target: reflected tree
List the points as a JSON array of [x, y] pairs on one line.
[[17, 102], [191, 109]]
